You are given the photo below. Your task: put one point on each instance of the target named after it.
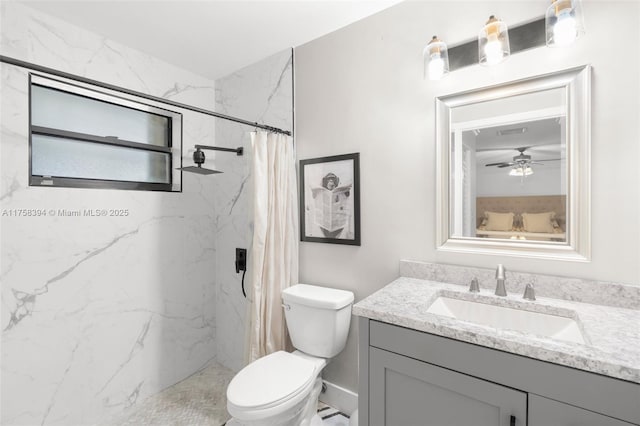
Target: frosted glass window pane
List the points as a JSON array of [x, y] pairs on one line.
[[65, 111], [59, 157]]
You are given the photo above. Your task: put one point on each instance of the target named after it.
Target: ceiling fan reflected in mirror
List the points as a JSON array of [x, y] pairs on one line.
[[521, 163]]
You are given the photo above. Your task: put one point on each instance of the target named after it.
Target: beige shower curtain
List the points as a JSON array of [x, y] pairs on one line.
[[274, 254]]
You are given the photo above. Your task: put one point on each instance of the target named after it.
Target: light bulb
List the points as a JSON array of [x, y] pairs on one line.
[[563, 22], [493, 42], [436, 59], [436, 67], [493, 51], [565, 30]]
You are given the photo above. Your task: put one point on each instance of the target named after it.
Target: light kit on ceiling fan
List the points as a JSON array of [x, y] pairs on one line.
[[521, 170], [493, 42], [563, 22], [436, 59]]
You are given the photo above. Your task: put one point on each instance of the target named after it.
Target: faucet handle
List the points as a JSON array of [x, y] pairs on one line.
[[500, 270], [529, 292], [474, 287]]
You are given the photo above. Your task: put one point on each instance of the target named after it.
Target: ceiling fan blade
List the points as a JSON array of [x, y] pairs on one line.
[[506, 165], [493, 149], [552, 159], [544, 146], [496, 164]]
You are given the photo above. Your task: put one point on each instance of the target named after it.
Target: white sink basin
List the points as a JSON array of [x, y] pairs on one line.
[[553, 326]]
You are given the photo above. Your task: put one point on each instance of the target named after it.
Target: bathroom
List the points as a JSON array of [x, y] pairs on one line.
[[101, 313]]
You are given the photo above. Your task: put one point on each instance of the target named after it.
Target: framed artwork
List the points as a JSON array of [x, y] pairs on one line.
[[330, 199]]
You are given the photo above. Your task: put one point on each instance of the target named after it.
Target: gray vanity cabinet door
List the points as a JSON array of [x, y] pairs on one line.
[[547, 412], [407, 392]]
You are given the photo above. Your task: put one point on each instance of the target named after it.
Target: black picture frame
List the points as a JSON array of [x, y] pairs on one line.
[[330, 199]]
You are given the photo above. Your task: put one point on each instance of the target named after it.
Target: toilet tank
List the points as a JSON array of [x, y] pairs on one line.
[[318, 318]]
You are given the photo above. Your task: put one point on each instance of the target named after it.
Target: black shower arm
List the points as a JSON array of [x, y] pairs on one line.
[[238, 151]]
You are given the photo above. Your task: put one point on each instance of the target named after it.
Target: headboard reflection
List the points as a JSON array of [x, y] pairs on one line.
[[519, 205]]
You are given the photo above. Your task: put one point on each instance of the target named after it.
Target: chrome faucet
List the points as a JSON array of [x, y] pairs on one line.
[[529, 292], [474, 287], [500, 277]]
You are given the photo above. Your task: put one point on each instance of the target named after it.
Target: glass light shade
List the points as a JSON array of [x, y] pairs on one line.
[[493, 42], [436, 59], [521, 171], [563, 22]]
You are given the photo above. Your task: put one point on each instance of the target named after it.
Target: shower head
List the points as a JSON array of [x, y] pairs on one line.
[[198, 158], [199, 170]]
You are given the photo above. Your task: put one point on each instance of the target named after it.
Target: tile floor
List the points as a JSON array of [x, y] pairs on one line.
[[199, 400]]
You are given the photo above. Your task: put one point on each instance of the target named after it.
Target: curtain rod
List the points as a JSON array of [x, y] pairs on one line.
[[39, 68]]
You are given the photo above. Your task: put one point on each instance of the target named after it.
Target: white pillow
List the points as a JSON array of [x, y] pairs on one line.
[[499, 221], [538, 222]]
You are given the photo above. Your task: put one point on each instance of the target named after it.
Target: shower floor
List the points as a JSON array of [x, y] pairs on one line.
[[199, 400]]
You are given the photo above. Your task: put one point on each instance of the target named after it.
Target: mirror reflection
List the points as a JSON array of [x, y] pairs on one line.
[[513, 174], [508, 168]]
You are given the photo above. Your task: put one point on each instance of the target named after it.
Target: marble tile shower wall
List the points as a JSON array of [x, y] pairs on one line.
[[98, 313], [261, 92]]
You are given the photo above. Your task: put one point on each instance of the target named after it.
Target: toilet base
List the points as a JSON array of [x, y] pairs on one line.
[[316, 420], [304, 414]]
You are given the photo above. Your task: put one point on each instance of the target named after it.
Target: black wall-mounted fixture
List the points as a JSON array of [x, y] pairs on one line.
[[241, 265], [241, 260], [199, 157]]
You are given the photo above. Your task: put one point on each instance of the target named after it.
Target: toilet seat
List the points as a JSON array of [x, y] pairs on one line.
[[276, 380]]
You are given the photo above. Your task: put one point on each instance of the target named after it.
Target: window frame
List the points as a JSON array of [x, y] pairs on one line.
[[173, 148]]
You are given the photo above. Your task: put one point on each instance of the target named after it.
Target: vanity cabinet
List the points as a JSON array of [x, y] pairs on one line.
[[410, 378], [405, 391]]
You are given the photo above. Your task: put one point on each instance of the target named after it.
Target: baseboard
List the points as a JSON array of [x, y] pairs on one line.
[[339, 398]]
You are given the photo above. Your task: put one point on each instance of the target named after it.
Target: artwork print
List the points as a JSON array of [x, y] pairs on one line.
[[330, 199]]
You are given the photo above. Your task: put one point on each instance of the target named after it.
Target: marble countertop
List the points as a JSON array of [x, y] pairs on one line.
[[612, 335]]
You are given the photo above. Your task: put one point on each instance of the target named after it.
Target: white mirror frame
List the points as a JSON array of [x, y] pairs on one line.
[[577, 84]]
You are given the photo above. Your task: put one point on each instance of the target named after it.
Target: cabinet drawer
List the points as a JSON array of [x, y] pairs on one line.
[[545, 412], [606, 395]]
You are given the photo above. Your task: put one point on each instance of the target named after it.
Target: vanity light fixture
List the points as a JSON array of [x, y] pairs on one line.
[[436, 59], [493, 42], [563, 22]]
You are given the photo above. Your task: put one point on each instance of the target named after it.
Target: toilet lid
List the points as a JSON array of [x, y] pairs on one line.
[[269, 380]]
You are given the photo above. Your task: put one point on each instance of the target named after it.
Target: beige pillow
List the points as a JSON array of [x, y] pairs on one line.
[[499, 221], [538, 222]]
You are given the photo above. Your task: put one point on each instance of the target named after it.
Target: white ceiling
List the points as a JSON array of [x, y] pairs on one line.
[[212, 38]]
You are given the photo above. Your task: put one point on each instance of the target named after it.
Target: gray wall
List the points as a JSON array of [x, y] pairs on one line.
[[360, 89]]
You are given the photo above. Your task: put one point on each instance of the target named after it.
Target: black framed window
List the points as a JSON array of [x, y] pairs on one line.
[[80, 137]]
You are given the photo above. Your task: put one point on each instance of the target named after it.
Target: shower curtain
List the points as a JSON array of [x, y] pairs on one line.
[[274, 260]]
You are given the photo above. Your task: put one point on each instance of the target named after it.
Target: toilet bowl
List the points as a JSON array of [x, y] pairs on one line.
[[282, 388], [275, 390]]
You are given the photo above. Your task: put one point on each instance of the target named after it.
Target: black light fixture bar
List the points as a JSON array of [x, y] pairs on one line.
[[522, 37], [47, 70]]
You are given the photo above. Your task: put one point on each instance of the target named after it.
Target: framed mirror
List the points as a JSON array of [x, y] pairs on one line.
[[513, 168]]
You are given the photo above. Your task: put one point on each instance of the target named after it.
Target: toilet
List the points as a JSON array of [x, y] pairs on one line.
[[282, 388]]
